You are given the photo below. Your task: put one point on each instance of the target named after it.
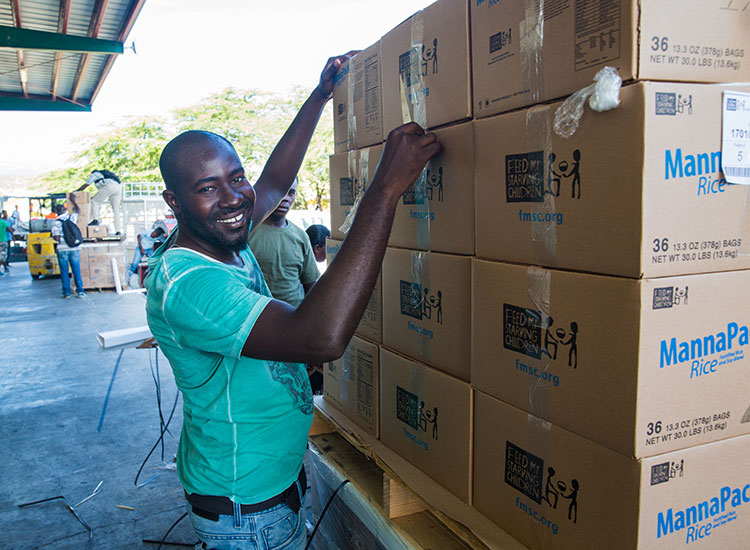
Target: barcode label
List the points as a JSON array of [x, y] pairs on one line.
[[737, 171]]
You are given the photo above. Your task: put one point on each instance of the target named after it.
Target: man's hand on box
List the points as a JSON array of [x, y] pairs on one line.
[[325, 86], [407, 150]]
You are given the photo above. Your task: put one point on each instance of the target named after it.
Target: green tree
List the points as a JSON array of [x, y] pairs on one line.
[[132, 152], [252, 120]]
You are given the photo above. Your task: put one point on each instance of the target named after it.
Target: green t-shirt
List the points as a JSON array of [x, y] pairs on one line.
[[3, 230], [286, 257], [245, 424]]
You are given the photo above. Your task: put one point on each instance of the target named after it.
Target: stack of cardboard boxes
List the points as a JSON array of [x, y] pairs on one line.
[[96, 256], [564, 322]]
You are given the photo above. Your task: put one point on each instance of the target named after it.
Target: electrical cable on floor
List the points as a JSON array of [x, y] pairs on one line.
[[157, 382], [163, 426], [323, 513], [67, 505], [164, 429], [163, 540]]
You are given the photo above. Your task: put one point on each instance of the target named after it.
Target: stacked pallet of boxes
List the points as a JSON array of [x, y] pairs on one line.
[[96, 256], [567, 353]]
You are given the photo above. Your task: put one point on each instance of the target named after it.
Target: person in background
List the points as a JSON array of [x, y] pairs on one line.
[[108, 188], [318, 235], [15, 217], [284, 254], [6, 234], [67, 256], [147, 243]]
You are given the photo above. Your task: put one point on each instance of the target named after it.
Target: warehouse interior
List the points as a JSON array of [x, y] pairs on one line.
[[550, 348]]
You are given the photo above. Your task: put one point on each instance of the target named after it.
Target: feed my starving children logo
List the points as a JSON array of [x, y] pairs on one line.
[[673, 104], [669, 296], [420, 303], [418, 62], [529, 332], [661, 473], [412, 411], [528, 178], [349, 190], [429, 187], [526, 473]]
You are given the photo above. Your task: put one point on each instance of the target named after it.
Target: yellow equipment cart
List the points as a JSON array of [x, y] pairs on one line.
[[40, 250], [40, 246]]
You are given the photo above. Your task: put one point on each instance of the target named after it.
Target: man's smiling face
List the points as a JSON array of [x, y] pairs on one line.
[[214, 198]]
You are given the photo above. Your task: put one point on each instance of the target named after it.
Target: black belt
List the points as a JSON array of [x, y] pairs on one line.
[[211, 507]]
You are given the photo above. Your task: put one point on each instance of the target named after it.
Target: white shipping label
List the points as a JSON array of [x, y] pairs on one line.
[[735, 142]]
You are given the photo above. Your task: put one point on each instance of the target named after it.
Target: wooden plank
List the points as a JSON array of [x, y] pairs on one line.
[[362, 473], [398, 500], [320, 425], [421, 530], [465, 523], [432, 533]]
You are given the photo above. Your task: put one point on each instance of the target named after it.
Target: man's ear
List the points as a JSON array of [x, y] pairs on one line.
[[171, 199]]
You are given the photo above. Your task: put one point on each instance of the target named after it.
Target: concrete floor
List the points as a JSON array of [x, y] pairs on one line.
[[53, 383]]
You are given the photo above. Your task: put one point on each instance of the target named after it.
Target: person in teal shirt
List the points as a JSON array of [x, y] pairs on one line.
[[5, 232], [236, 353]]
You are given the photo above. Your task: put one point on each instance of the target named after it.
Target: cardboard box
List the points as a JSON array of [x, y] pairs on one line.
[[357, 102], [371, 324], [640, 366], [97, 231], [99, 263], [351, 174], [426, 67], [432, 214], [351, 384], [82, 198], [636, 191], [427, 308], [522, 56], [425, 416], [554, 490]]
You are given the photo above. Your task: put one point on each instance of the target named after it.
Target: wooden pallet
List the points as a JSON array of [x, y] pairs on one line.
[[421, 510]]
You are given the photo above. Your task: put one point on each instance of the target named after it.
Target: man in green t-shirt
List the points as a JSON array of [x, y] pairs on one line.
[[247, 402], [5, 230], [284, 254]]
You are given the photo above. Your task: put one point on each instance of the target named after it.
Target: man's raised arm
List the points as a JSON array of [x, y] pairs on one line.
[[321, 327], [287, 156]]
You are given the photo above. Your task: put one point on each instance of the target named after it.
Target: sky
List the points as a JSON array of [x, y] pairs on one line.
[[189, 49]]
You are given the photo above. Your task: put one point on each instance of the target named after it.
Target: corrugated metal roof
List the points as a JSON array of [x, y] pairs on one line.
[[44, 70]]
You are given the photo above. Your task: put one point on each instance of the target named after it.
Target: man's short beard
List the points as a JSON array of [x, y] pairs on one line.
[[200, 229]]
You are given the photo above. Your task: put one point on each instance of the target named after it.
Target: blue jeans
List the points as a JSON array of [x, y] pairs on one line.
[[72, 257], [277, 528], [137, 257]]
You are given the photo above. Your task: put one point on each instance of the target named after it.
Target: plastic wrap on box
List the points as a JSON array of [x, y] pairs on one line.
[[351, 522]]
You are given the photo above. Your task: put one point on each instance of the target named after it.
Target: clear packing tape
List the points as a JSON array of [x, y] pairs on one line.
[[359, 171], [414, 109], [602, 95], [420, 277]]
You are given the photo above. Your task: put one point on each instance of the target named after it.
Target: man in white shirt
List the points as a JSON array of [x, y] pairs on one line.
[[108, 188]]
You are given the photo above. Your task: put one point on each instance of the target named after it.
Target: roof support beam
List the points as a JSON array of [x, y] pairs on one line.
[[18, 103], [15, 10], [96, 23], [25, 39], [62, 28], [132, 15]]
